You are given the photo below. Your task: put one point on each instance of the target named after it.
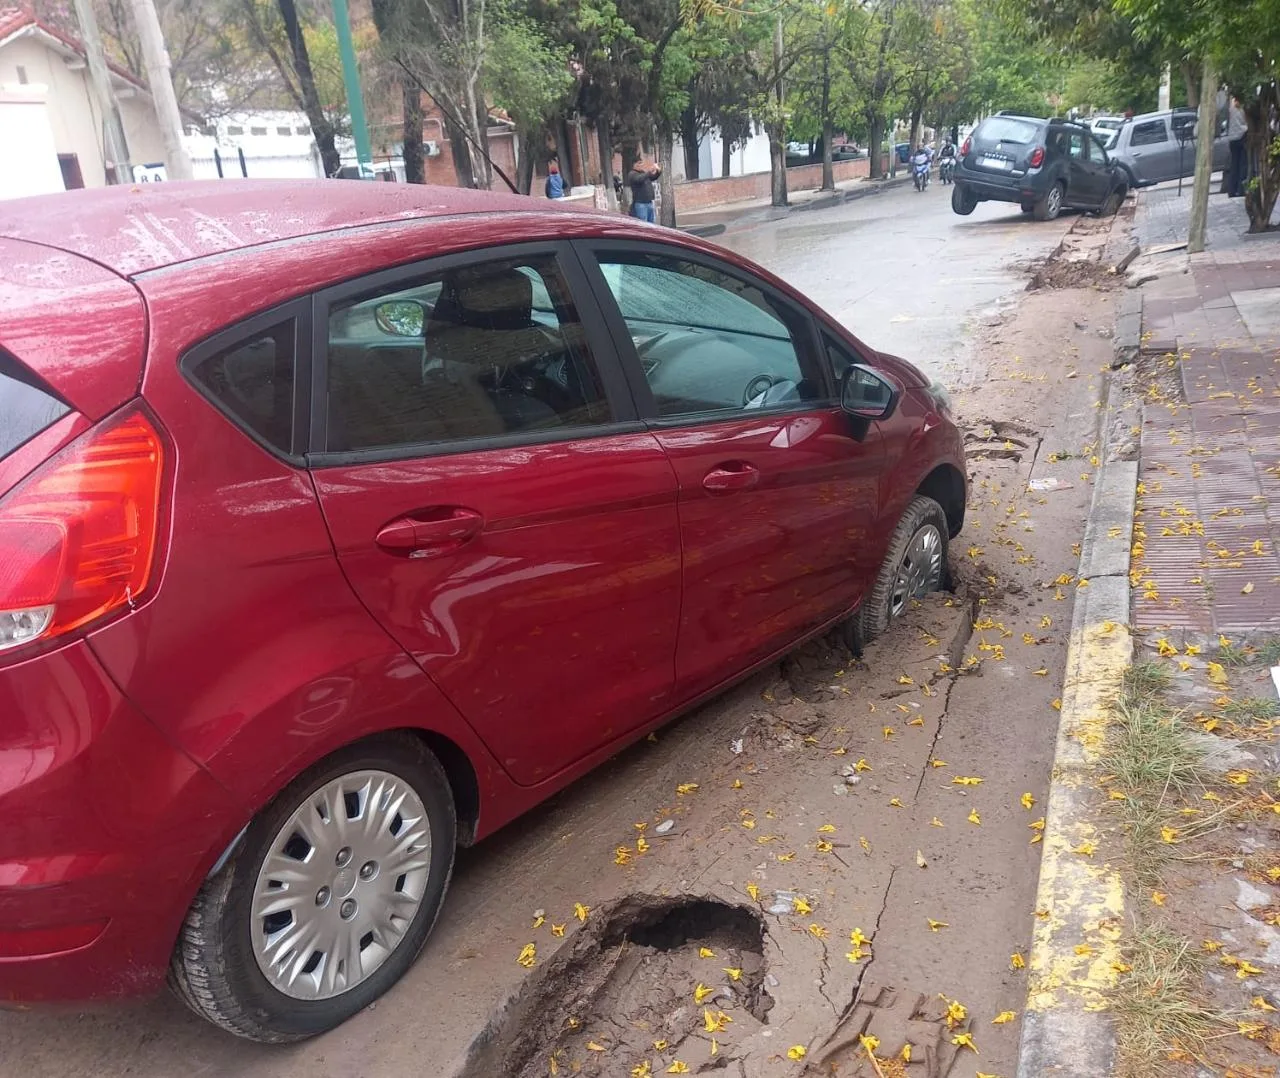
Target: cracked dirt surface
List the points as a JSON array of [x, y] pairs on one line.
[[808, 796]]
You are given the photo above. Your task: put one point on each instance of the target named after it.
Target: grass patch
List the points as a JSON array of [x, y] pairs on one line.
[[1145, 679], [1157, 1003], [1251, 707], [1157, 763], [1269, 652], [1231, 655]]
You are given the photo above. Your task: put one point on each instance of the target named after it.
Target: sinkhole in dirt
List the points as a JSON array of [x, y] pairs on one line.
[[622, 991]]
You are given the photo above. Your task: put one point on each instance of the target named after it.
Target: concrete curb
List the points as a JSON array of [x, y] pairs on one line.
[[764, 214], [1066, 1030], [1128, 338]]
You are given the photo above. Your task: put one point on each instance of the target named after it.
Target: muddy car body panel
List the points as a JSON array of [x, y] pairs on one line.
[[319, 554]]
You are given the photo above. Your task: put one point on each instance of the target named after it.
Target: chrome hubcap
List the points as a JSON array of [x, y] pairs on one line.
[[920, 570], [340, 885], [1055, 199]]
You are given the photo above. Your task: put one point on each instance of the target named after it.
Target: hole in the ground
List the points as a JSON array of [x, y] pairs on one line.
[[646, 970]]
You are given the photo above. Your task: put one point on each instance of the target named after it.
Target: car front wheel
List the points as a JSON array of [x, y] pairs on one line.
[[915, 564], [1048, 207], [328, 898]]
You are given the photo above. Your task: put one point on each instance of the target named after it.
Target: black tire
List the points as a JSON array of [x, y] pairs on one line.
[[213, 969], [1111, 205], [1050, 205], [876, 611], [1028, 207], [962, 201]]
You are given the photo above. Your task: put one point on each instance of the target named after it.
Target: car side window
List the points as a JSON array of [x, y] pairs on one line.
[[1151, 133], [252, 381], [1077, 146], [708, 341], [1099, 150], [478, 351]]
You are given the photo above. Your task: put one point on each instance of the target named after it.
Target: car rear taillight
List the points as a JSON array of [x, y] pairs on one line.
[[964, 147], [78, 536], [1037, 157]]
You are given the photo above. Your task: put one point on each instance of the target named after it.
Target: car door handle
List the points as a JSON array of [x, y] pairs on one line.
[[429, 532], [730, 476]]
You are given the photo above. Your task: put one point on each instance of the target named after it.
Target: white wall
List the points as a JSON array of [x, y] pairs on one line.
[[73, 117], [283, 150], [753, 156], [24, 126]]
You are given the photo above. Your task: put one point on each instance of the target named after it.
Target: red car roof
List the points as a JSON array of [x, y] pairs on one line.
[[139, 227]]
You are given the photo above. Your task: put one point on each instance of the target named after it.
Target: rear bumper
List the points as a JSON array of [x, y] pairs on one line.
[[993, 187], [107, 832]]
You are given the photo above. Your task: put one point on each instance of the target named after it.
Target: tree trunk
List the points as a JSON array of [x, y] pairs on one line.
[[1188, 70], [666, 182], [778, 164], [321, 128], [630, 155], [915, 129], [604, 143], [461, 158], [1264, 168], [726, 155], [414, 165], [875, 139], [1196, 231], [828, 169], [689, 141], [528, 158]]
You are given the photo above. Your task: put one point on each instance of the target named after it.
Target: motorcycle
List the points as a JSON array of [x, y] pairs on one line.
[[920, 170], [947, 170]]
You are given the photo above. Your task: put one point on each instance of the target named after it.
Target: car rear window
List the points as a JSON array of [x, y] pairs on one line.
[[27, 405], [252, 382], [1007, 129]]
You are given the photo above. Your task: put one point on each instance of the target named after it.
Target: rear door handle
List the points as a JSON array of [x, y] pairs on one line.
[[429, 532], [731, 476]]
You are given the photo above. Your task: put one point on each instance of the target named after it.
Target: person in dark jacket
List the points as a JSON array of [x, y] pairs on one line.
[[640, 179], [555, 182]]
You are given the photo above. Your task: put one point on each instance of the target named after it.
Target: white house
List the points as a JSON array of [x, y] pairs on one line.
[[746, 158], [51, 135], [262, 145]]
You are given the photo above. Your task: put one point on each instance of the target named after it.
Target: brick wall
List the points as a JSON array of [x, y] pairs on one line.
[[699, 194]]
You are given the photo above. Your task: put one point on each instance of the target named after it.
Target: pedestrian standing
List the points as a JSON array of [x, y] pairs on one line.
[[1237, 126], [640, 179], [555, 182]]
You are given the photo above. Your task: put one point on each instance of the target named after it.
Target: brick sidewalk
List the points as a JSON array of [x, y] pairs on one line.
[[1210, 468]]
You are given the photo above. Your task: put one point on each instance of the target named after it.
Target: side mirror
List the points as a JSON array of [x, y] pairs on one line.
[[401, 317], [865, 394]]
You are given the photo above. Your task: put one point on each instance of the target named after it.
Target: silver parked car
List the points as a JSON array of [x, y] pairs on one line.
[[1160, 146]]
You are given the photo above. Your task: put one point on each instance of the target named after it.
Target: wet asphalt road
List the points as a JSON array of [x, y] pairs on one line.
[[904, 273]]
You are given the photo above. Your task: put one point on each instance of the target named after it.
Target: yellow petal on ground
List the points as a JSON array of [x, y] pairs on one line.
[[1164, 649], [796, 1051], [1168, 834], [1247, 588], [641, 845], [1016, 961], [594, 1046], [1037, 825], [1217, 673], [678, 1067], [580, 911], [935, 822], [753, 891], [528, 955], [869, 1041], [659, 1046], [734, 974], [905, 679], [918, 721], [866, 846], [965, 1040], [1003, 1017], [686, 788], [539, 921], [956, 1013], [935, 925], [862, 765], [642, 1070], [1046, 621], [887, 731], [1056, 705], [557, 930], [1085, 849], [966, 780], [920, 861], [826, 829], [857, 938], [1027, 800], [818, 932], [701, 992], [800, 905], [1158, 897], [938, 763], [974, 817], [715, 1048], [706, 952]]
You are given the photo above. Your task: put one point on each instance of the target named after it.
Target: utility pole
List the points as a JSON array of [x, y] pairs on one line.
[[115, 149], [351, 80], [1206, 121], [155, 59], [1166, 80]]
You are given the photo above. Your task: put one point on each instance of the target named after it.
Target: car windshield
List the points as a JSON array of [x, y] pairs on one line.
[[1007, 129]]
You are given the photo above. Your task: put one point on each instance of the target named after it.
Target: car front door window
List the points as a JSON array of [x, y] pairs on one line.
[[709, 343]]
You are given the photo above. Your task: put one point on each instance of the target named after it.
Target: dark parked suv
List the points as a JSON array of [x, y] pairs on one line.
[[1044, 165]]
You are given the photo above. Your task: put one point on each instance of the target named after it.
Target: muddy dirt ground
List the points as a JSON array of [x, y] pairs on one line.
[[837, 847]]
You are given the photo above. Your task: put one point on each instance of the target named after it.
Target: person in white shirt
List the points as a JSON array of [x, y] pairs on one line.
[[1236, 128]]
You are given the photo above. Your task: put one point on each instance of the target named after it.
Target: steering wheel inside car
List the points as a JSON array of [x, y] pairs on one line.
[[758, 386]]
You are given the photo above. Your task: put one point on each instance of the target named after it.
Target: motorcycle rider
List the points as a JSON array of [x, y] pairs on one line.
[[947, 160], [920, 163]]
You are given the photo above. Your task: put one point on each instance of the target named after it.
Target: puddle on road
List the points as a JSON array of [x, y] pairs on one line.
[[623, 992]]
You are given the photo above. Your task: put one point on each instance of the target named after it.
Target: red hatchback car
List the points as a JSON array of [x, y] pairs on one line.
[[341, 523]]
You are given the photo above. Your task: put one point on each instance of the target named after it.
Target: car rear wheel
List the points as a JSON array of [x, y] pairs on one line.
[[962, 201], [328, 898], [1050, 205], [915, 564], [1111, 206], [1028, 207]]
